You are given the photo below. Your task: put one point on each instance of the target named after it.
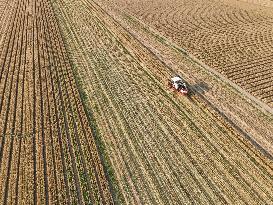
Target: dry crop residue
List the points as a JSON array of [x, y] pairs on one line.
[[233, 38], [47, 152], [164, 149], [237, 108]]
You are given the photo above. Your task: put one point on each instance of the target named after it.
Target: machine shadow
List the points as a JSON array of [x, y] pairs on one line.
[[198, 88]]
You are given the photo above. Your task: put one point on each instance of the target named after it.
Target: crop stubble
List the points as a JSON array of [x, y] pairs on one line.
[[232, 37], [47, 151], [236, 108], [164, 149]]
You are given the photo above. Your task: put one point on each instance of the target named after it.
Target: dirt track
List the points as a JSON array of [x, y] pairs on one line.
[[163, 147], [47, 151]]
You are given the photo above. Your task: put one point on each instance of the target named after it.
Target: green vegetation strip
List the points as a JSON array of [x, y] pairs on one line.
[[105, 160]]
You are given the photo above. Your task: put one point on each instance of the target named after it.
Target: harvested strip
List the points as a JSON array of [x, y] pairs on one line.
[[48, 153]]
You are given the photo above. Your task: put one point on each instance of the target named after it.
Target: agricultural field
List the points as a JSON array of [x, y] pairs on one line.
[[214, 147], [87, 117], [48, 153], [232, 37]]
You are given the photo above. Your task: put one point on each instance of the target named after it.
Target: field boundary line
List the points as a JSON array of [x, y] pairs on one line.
[[252, 99], [261, 105]]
